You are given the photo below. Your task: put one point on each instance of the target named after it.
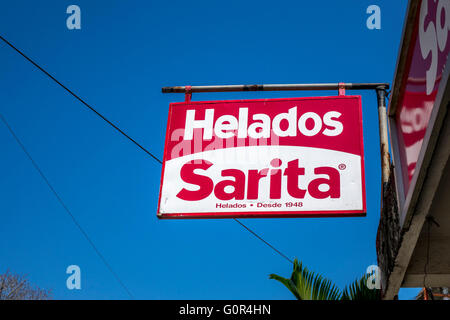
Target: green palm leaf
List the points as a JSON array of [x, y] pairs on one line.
[[359, 290], [306, 285]]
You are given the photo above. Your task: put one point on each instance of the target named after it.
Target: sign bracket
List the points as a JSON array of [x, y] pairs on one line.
[[341, 91], [188, 94]]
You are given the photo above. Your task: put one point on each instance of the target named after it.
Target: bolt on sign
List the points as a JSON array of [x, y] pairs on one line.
[[295, 157]]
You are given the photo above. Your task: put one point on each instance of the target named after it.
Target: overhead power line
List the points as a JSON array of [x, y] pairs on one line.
[[74, 220], [267, 243], [124, 134], [80, 99]]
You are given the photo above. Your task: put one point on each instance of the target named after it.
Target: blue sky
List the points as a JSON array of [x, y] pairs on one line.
[[118, 62]]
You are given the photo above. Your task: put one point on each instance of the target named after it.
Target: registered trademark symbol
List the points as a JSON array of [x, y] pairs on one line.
[[342, 166]]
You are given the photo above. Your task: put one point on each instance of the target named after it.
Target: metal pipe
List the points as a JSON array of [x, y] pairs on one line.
[[384, 144], [276, 87]]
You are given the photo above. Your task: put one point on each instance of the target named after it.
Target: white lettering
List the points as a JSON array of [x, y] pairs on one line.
[[317, 124], [291, 117], [226, 122], [206, 124], [227, 126], [328, 120], [374, 20], [264, 125], [74, 20]]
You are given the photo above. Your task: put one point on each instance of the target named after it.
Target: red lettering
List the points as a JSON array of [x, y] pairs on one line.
[[238, 185], [253, 182], [334, 183], [275, 179], [292, 172], [205, 184]]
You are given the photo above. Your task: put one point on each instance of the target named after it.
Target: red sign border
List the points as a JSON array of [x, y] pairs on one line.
[[270, 214]]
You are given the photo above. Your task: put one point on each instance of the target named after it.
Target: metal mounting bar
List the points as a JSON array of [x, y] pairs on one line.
[[384, 141], [277, 87]]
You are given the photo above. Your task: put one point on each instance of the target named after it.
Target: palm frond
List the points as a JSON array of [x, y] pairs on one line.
[[307, 285], [359, 290], [288, 283]]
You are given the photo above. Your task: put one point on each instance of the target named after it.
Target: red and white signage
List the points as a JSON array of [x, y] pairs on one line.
[[296, 157], [428, 59], [419, 84]]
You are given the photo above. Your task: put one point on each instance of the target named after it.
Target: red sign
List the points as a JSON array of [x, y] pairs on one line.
[[299, 157], [427, 58]]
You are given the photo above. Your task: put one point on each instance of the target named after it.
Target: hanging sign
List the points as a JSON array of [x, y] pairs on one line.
[[420, 71], [295, 157]]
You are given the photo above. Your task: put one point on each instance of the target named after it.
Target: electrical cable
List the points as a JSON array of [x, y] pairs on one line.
[[81, 100], [267, 243], [122, 132], [41, 173]]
